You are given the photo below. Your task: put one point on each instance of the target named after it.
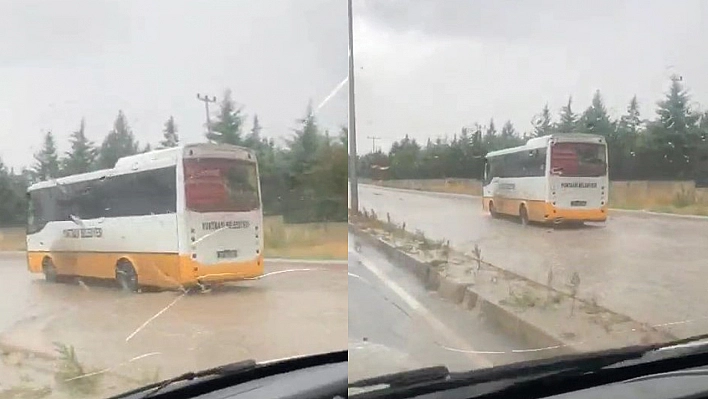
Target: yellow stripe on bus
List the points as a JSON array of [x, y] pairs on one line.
[[542, 211], [158, 270]]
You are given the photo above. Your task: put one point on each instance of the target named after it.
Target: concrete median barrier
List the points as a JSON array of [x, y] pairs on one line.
[[567, 326]]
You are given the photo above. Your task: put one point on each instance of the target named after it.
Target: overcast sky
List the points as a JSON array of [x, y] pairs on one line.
[[428, 67], [64, 60]]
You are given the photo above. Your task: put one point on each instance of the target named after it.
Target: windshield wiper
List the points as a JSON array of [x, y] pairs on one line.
[[405, 378], [555, 375], [232, 374], [224, 370], [419, 382]]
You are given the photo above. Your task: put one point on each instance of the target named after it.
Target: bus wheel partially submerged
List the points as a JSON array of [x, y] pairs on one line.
[[49, 270], [126, 276], [523, 215], [492, 210]]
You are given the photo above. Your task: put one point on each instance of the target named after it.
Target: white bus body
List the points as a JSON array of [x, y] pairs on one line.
[[555, 178], [180, 216]]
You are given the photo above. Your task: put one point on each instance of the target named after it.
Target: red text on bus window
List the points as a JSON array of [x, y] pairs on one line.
[[578, 159], [220, 185]]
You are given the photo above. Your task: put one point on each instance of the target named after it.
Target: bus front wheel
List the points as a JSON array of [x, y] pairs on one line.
[[492, 210], [523, 215], [126, 276]]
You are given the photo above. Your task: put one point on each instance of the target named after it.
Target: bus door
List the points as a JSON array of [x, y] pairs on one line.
[[490, 181]]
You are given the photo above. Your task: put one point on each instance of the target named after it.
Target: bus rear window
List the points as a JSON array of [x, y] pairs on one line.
[[220, 185], [578, 160]]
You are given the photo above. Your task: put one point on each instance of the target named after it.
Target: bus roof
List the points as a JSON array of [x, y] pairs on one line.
[[542, 142], [147, 160]]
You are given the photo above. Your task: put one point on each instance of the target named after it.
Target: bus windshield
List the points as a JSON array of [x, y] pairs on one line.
[[221, 185], [578, 160]]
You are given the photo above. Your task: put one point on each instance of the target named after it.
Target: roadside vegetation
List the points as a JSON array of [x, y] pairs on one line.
[[671, 145]]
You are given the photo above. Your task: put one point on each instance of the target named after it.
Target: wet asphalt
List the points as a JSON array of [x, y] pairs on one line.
[[650, 268], [389, 307]]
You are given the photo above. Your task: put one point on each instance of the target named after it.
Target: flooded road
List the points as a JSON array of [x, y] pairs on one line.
[[299, 309], [650, 268], [389, 307]]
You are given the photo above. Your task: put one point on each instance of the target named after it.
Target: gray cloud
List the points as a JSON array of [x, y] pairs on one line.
[[504, 19], [426, 68], [61, 61]]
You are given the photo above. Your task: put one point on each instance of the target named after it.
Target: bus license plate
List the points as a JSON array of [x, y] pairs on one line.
[[227, 253], [578, 203]]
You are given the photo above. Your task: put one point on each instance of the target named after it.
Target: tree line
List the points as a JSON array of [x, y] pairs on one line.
[[670, 146], [304, 180]]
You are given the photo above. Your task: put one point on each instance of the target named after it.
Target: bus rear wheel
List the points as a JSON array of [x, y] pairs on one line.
[[523, 215], [50, 271], [126, 276]]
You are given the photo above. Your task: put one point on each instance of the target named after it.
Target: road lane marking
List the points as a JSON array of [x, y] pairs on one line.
[[434, 322], [137, 330]]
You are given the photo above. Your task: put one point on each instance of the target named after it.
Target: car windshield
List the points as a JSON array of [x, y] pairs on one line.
[[524, 188], [172, 191]]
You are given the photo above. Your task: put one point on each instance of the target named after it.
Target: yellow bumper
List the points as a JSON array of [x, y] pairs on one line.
[[194, 272], [554, 214]]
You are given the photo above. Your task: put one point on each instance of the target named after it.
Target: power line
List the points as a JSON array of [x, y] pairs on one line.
[[373, 142]]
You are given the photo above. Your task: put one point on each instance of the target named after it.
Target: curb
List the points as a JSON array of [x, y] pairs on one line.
[[472, 196], [465, 296]]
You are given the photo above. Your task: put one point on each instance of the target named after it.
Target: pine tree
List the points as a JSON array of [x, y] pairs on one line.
[[508, 130], [674, 112], [169, 133], [492, 129], [568, 120], [304, 144], [675, 135], [46, 160], [254, 139], [119, 143], [543, 125], [82, 156], [229, 123], [12, 197], [631, 122], [595, 119]]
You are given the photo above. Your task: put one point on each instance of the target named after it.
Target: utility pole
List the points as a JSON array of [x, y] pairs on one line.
[[207, 100], [353, 181], [373, 142]]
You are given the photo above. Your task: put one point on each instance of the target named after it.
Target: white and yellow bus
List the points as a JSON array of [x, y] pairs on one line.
[[556, 178], [183, 216]]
